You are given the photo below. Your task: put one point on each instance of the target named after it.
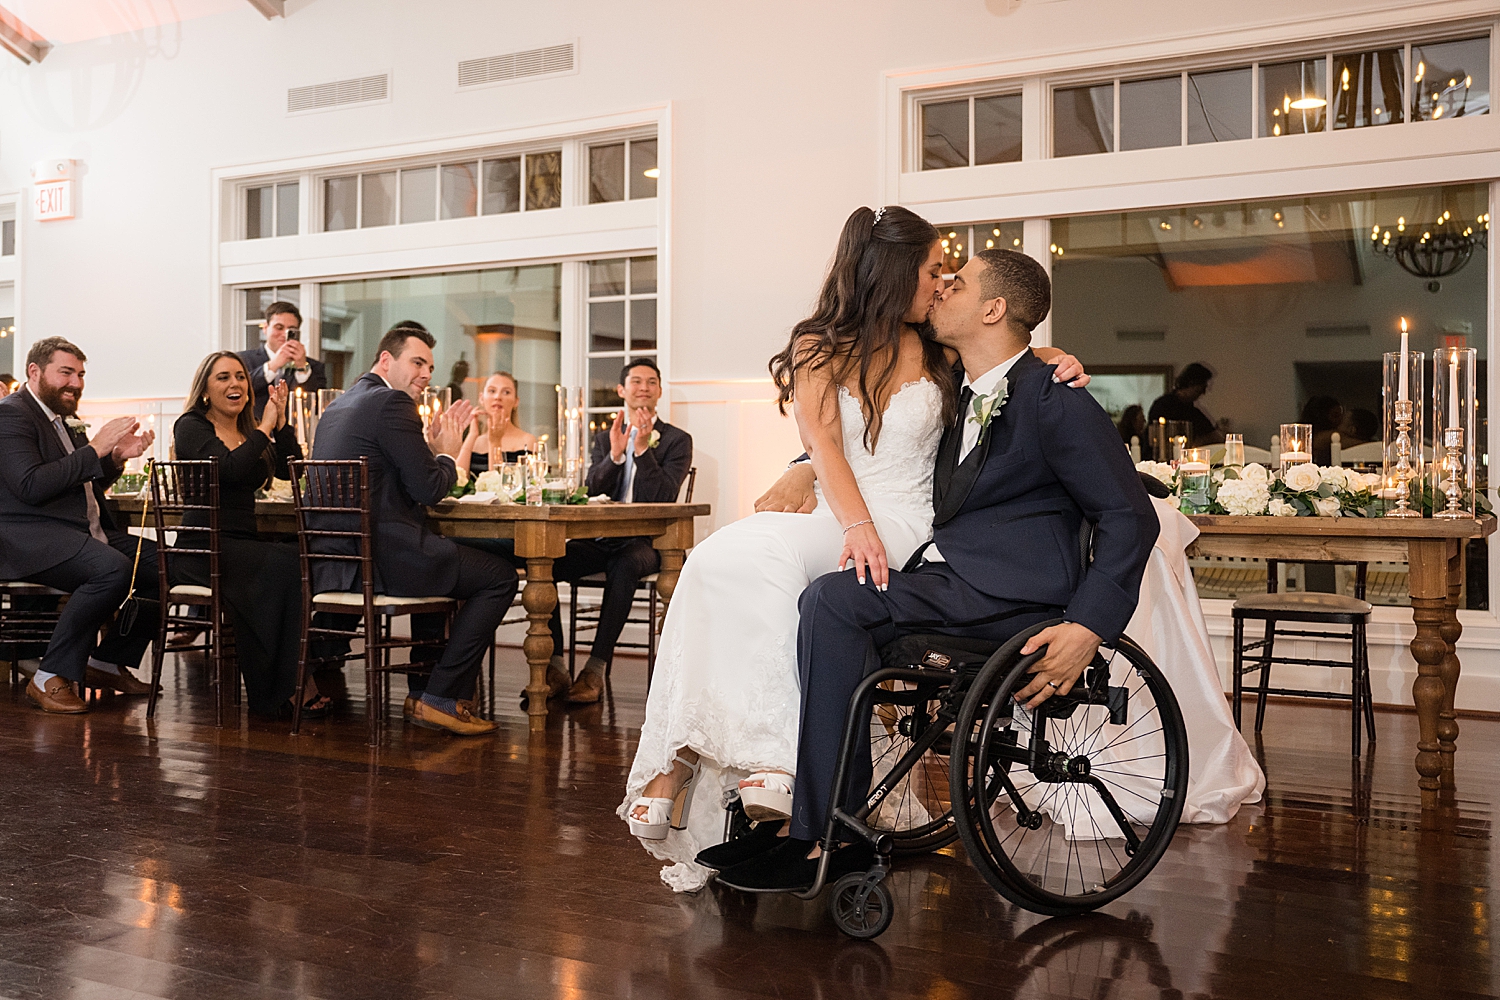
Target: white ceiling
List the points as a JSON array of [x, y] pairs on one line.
[[63, 21]]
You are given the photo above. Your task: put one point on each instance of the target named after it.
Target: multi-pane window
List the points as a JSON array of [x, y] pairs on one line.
[[970, 131], [622, 170], [443, 191], [255, 301], [8, 238], [621, 323], [1322, 92], [271, 210], [962, 242]]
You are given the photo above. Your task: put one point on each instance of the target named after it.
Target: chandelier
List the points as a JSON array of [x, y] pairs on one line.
[[1434, 251]]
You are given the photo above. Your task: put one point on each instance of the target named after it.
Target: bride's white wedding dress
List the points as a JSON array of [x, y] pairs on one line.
[[726, 672]]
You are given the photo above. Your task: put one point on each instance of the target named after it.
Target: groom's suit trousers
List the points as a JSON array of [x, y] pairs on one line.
[[844, 624]]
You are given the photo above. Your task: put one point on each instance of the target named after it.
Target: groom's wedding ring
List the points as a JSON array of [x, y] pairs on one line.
[[1054, 685]]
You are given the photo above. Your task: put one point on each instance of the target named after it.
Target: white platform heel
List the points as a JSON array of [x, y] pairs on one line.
[[771, 799], [663, 815]]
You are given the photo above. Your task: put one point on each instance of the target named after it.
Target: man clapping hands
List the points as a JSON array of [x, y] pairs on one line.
[[56, 530]]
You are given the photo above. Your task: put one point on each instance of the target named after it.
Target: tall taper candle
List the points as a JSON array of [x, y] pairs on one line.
[[1453, 390], [1401, 390]]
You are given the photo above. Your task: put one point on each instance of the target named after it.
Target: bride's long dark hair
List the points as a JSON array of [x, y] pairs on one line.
[[861, 312]]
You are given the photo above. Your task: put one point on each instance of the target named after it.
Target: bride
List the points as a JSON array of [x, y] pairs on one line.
[[871, 397]]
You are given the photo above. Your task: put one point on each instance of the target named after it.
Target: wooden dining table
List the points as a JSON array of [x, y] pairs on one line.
[[1433, 549], [541, 535]]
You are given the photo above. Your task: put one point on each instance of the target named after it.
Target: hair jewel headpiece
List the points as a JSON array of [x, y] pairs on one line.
[[878, 213]]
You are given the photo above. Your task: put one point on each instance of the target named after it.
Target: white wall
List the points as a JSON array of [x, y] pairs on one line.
[[780, 126]]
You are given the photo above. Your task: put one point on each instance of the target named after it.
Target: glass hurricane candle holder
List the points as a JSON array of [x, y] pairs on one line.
[[572, 436], [1401, 434], [1193, 476], [1296, 445], [1234, 451], [433, 403], [1455, 413]]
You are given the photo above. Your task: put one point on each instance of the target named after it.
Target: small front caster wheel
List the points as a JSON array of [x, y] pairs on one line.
[[860, 909]]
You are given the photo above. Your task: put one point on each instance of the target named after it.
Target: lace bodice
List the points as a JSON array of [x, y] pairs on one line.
[[899, 472]]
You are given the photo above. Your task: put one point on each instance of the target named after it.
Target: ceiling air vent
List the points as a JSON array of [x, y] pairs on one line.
[[516, 66], [322, 96]]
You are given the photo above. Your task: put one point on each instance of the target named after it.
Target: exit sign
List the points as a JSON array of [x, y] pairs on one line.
[[54, 200]]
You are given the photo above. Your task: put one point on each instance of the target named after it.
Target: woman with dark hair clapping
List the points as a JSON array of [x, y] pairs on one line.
[[261, 580]]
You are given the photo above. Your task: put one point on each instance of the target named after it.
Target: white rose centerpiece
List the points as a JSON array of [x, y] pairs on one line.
[[1243, 497], [1305, 478]]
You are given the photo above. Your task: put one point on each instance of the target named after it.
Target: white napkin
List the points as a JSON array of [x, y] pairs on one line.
[[479, 498]]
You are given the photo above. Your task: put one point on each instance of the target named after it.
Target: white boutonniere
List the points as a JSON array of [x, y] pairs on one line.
[[76, 425], [986, 405], [654, 439]]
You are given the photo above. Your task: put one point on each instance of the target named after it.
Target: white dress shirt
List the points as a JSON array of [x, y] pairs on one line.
[[984, 385]]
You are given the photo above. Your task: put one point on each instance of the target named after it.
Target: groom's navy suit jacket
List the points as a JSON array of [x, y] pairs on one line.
[[1007, 519]]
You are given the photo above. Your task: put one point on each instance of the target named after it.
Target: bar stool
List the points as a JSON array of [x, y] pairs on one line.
[[590, 619], [1314, 609]]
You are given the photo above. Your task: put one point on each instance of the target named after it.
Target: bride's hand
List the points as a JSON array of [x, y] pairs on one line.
[[1070, 371], [862, 547]]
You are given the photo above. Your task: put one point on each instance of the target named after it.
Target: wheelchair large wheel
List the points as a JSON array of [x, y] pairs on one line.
[[915, 810], [1068, 807]]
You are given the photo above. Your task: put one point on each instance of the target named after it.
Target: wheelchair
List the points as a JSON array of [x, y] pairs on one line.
[[1062, 809]]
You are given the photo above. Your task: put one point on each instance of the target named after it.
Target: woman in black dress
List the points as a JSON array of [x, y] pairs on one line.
[[259, 580], [499, 400]]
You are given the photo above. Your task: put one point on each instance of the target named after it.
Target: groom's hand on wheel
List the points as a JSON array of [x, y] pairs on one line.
[[1070, 648], [792, 493]]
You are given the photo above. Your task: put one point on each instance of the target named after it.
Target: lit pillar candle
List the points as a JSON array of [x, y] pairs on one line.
[[1401, 392], [1453, 390]]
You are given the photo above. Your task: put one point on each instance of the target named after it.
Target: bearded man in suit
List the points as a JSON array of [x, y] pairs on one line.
[[56, 530]]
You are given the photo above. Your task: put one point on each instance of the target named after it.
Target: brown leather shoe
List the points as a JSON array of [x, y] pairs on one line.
[[465, 723], [588, 688], [409, 706], [124, 682], [558, 682], [59, 698]]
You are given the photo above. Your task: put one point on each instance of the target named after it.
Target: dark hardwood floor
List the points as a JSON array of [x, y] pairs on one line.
[[170, 859]]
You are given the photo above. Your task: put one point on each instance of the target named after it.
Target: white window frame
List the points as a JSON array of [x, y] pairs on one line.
[[570, 235], [635, 135], [10, 274]]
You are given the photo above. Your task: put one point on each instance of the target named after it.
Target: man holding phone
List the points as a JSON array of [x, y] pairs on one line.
[[282, 357]]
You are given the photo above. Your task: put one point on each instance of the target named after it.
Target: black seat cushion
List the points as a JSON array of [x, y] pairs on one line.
[[919, 650]]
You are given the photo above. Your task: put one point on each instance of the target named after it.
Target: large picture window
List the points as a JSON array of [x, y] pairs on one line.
[[621, 324], [500, 319], [1291, 302]]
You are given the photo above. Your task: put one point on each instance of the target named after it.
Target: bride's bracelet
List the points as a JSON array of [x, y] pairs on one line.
[[857, 524]]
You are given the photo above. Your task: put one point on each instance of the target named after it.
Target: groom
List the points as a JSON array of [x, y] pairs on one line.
[[1027, 462]]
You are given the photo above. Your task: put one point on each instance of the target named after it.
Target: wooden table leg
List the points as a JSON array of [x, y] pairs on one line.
[[672, 544], [539, 543], [1447, 727], [1428, 581]]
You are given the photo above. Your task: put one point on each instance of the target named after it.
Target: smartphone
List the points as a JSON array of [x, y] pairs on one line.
[[294, 334]]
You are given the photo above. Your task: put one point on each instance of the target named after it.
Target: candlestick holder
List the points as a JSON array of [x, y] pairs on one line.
[[1455, 413], [1403, 460]]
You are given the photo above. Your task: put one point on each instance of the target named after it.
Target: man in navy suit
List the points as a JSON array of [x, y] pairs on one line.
[[639, 458], [282, 357], [411, 470], [56, 530], [1027, 463]]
